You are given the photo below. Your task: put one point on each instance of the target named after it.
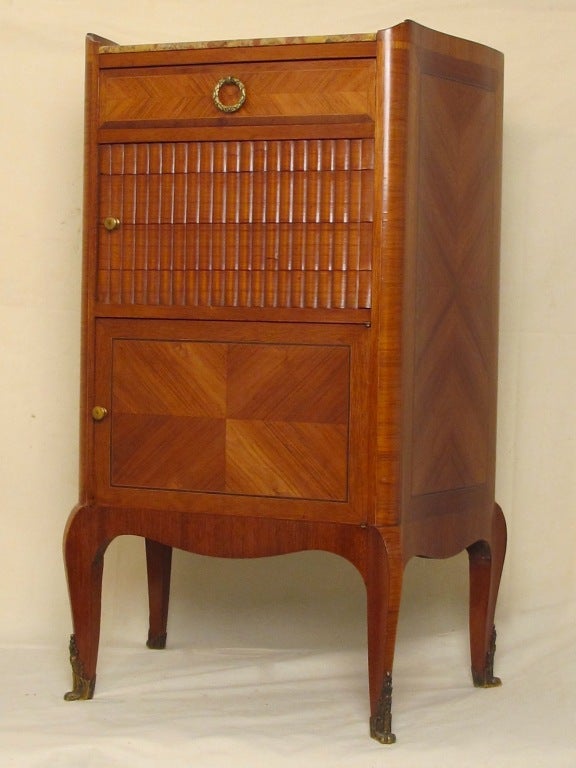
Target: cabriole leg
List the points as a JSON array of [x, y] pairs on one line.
[[486, 563], [84, 559], [384, 585]]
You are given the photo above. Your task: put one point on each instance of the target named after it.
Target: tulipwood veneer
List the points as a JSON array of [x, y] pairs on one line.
[[290, 309]]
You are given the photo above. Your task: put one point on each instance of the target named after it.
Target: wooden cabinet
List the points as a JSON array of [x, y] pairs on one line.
[[290, 317]]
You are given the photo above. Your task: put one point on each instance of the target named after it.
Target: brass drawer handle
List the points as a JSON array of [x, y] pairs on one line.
[[111, 223], [99, 413], [216, 94]]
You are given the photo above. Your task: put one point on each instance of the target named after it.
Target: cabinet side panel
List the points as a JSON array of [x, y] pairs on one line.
[[452, 294], [392, 141], [89, 250], [455, 299]]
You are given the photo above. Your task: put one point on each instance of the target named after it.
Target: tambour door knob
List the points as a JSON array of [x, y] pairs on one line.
[[99, 412], [111, 223]]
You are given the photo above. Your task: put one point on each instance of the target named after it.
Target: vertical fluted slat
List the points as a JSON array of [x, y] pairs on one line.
[[104, 255]]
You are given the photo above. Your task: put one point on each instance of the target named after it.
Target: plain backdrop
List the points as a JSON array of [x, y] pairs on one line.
[[311, 599]]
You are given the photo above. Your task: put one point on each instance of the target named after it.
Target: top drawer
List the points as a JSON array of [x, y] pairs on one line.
[[270, 92]]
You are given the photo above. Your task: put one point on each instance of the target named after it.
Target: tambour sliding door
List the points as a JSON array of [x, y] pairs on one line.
[[284, 223]]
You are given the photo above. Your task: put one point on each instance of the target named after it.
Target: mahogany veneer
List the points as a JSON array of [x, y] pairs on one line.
[[290, 317]]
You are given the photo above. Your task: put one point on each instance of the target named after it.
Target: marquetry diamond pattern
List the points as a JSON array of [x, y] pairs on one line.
[[454, 365], [238, 418]]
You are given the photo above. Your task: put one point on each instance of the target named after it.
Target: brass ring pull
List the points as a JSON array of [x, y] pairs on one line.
[[216, 94], [111, 223]]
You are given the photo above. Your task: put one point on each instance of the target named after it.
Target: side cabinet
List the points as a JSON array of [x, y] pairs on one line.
[[290, 317]]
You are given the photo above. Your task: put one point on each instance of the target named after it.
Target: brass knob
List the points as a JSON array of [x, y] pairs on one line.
[[111, 223], [99, 412], [241, 90]]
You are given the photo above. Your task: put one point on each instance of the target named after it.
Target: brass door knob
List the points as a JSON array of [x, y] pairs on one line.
[[111, 223], [99, 412]]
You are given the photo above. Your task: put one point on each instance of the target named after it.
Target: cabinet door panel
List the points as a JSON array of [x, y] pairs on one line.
[[226, 416]]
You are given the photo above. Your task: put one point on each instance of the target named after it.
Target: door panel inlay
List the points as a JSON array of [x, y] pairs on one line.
[[235, 418]]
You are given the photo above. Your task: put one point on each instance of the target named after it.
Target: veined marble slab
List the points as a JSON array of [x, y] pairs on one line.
[[356, 38]]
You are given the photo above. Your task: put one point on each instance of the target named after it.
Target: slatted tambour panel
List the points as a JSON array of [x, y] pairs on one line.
[[284, 223]]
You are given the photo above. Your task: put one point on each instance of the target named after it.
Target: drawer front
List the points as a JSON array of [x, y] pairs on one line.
[[340, 90]]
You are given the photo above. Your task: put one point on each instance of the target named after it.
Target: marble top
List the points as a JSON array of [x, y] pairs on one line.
[[357, 38]]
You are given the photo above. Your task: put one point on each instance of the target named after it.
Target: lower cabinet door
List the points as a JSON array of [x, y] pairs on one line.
[[250, 418]]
